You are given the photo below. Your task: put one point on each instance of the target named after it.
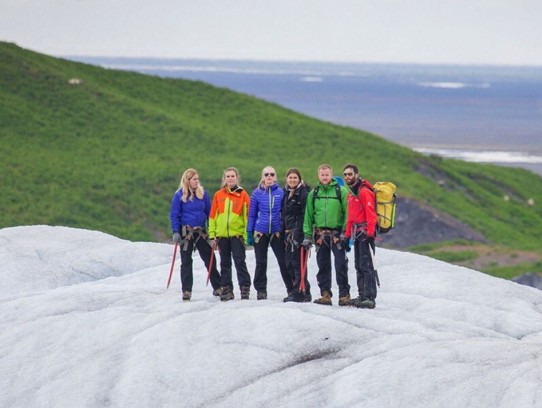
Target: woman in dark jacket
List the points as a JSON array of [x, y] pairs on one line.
[[190, 208], [293, 213], [263, 230]]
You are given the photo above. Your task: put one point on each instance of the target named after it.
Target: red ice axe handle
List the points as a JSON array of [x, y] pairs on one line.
[[304, 255], [213, 246], [172, 264]]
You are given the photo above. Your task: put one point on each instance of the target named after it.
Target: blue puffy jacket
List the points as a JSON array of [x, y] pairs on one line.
[[193, 212], [264, 211]]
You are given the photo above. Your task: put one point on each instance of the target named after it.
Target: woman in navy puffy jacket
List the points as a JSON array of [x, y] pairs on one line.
[[190, 208], [264, 230]]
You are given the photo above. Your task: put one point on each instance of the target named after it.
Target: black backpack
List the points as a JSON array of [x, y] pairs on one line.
[[337, 192]]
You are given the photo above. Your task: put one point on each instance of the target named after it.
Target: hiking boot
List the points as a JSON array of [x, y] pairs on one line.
[[261, 295], [245, 292], [325, 299], [217, 292], [355, 302], [367, 304], [294, 297], [186, 295], [344, 300], [227, 294]]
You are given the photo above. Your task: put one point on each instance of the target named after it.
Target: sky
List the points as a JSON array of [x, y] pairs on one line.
[[398, 31], [86, 321]]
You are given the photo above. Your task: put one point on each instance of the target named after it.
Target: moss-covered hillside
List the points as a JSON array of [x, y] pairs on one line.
[[93, 148]]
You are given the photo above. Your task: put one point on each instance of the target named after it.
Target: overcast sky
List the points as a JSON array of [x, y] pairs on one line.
[[417, 31]]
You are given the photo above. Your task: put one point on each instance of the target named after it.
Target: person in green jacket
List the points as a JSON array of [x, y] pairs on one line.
[[325, 219]]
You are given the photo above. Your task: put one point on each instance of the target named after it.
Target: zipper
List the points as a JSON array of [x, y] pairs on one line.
[[228, 217], [270, 209], [325, 208]]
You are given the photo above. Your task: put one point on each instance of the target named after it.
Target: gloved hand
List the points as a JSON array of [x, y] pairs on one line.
[[307, 243], [344, 242], [369, 240], [176, 237], [250, 238]]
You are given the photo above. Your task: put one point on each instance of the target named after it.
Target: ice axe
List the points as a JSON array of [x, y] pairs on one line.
[[374, 267], [304, 258], [172, 264], [213, 247]]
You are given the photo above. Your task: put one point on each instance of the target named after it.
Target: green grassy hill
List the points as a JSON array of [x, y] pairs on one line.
[[107, 153]]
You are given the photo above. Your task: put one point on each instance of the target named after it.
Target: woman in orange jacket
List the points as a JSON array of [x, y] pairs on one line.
[[228, 226]]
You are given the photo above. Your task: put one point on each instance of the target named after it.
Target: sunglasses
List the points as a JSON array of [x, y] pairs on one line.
[[269, 174], [348, 174]]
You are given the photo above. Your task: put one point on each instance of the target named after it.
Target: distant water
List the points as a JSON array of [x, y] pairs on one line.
[[474, 113]]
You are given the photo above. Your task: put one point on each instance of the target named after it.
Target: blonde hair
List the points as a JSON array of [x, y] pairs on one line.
[[266, 169], [325, 166], [224, 175], [188, 194]]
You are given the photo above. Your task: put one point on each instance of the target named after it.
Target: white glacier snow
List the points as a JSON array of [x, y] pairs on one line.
[[86, 321]]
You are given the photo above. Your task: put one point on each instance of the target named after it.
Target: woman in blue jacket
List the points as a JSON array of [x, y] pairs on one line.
[[190, 208], [263, 230]]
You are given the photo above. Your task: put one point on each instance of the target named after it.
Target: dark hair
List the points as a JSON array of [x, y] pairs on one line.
[[294, 170], [352, 166]]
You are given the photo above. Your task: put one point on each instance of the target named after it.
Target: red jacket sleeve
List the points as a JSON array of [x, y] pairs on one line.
[[368, 204]]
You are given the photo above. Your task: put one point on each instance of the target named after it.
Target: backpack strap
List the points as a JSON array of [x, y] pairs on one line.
[[337, 193]]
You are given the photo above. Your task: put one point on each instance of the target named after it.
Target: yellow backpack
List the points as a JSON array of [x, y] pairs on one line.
[[385, 205]]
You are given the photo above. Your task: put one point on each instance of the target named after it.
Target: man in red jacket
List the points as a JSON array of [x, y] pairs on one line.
[[361, 228]]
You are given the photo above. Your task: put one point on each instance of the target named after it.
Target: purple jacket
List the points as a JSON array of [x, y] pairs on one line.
[[264, 214], [194, 212]]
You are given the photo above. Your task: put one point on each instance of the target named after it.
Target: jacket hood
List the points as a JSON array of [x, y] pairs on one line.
[[301, 186], [367, 184], [235, 190], [272, 187], [333, 183]]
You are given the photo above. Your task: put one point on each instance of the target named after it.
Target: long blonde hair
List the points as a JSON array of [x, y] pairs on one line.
[[224, 176], [188, 194]]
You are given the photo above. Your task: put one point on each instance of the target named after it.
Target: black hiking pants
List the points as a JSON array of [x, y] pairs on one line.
[[204, 249], [365, 272], [359, 272], [233, 248], [260, 253], [323, 259]]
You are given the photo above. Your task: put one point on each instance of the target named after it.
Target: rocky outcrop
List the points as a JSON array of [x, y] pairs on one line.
[[529, 279], [417, 223]]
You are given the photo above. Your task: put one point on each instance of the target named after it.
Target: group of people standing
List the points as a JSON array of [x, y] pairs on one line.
[[288, 219]]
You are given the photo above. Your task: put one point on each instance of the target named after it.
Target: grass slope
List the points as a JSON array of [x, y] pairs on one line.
[[107, 154]]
